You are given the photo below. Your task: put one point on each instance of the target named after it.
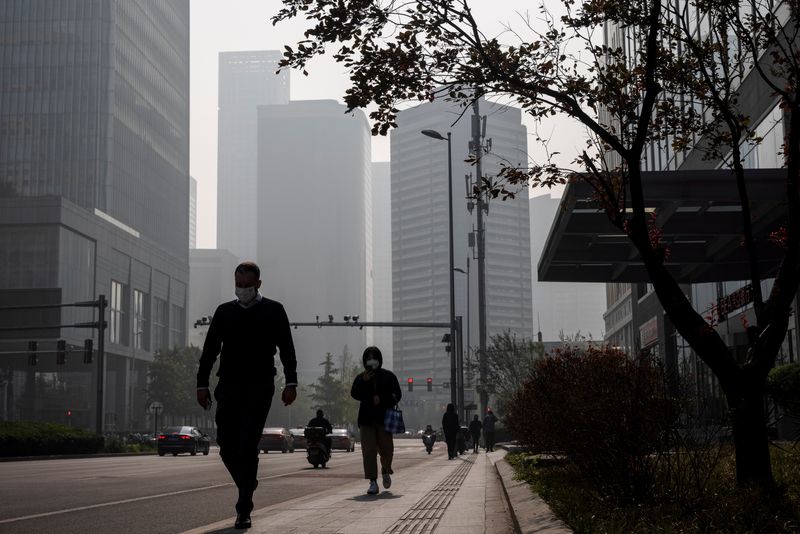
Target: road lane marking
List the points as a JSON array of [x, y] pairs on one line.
[[126, 501]]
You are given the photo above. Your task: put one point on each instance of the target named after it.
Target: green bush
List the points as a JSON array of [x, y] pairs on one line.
[[36, 439]]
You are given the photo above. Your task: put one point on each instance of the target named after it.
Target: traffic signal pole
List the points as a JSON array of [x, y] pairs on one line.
[[101, 362]]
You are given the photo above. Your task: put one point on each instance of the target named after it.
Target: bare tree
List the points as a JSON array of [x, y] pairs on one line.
[[627, 98]]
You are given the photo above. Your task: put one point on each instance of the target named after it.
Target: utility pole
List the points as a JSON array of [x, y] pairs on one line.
[[477, 143]]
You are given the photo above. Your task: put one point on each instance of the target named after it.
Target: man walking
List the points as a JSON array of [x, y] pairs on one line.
[[245, 333], [488, 430], [475, 427]]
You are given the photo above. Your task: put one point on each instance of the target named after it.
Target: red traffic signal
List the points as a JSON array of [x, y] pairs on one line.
[[410, 384], [430, 384], [69, 413]]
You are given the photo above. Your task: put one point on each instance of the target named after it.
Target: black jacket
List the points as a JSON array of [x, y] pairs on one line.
[[322, 423], [450, 423], [246, 340], [385, 385], [475, 427]]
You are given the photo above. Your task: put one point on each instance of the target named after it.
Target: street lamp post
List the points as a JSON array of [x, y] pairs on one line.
[[453, 383]]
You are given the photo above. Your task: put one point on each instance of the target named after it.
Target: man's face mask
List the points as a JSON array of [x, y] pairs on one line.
[[372, 363], [246, 294]]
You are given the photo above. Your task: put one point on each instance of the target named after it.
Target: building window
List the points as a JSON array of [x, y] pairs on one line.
[[141, 301], [176, 326], [160, 322], [117, 331]]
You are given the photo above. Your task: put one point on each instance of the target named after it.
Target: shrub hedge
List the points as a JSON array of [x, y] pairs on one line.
[[36, 439]]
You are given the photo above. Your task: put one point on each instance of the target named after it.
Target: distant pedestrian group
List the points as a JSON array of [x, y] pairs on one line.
[[451, 428]]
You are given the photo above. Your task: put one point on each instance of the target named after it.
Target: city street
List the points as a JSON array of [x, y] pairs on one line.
[[162, 494]]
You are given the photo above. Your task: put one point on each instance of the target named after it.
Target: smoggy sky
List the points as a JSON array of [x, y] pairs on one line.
[[245, 25]]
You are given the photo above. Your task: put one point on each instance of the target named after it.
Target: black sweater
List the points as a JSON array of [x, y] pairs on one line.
[[385, 385], [246, 340]]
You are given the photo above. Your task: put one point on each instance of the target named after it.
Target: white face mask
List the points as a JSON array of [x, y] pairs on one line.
[[373, 364], [246, 294]]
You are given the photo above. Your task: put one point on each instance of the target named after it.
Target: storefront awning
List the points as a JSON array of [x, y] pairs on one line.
[[699, 214]]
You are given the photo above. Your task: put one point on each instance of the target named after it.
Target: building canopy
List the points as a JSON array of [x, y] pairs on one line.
[[699, 214]]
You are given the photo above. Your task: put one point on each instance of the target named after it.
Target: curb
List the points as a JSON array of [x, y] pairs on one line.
[[530, 513], [73, 456]]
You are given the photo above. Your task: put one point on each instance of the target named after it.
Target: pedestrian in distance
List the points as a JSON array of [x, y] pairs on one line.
[[245, 333], [488, 430], [451, 428], [377, 390], [475, 427]]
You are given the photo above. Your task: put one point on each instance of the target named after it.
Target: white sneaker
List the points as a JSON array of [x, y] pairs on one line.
[[387, 481], [373, 487]]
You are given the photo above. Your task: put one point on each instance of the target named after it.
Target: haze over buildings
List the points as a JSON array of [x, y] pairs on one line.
[[313, 216], [247, 80], [381, 273], [561, 308]]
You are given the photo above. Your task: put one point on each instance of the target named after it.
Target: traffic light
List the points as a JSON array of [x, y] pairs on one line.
[[446, 339], [69, 413], [61, 352], [430, 384], [88, 347], [33, 347], [410, 384]]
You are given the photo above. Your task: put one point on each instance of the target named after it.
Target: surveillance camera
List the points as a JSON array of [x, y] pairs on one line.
[[355, 318], [346, 318]]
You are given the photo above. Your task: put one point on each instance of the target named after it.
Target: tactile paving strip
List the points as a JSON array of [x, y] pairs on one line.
[[423, 517]]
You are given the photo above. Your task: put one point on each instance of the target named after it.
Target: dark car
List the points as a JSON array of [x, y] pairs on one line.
[[341, 438], [299, 437], [276, 439], [178, 439]]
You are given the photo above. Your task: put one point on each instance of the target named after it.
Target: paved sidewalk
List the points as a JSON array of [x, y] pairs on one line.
[[463, 496]]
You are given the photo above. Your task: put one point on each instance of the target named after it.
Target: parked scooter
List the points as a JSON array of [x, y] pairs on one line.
[[317, 452]]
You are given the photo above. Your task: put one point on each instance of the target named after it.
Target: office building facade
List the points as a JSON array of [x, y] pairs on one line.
[[94, 199], [247, 80], [420, 241]]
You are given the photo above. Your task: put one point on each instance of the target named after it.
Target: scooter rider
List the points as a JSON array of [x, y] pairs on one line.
[[321, 422], [429, 438]]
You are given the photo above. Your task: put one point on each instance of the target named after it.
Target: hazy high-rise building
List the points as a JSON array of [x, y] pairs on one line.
[[561, 307], [382, 258], [211, 283], [94, 197], [420, 278], [314, 166], [246, 80], [192, 212]]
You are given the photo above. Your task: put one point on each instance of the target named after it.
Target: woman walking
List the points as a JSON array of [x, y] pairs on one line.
[[451, 428], [377, 390]]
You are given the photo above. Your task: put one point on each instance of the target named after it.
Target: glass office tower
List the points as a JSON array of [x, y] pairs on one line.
[[94, 196]]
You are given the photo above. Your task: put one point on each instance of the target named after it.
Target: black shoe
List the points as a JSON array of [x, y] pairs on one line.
[[243, 521]]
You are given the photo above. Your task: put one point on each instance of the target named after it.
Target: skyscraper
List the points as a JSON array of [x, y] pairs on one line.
[[382, 258], [94, 196], [246, 80], [314, 165], [420, 278]]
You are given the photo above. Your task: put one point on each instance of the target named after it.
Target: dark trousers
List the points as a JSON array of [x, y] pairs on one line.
[[451, 445], [241, 413], [488, 438], [475, 439]]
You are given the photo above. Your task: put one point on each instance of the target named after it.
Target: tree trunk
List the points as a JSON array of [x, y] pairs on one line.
[[750, 438]]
